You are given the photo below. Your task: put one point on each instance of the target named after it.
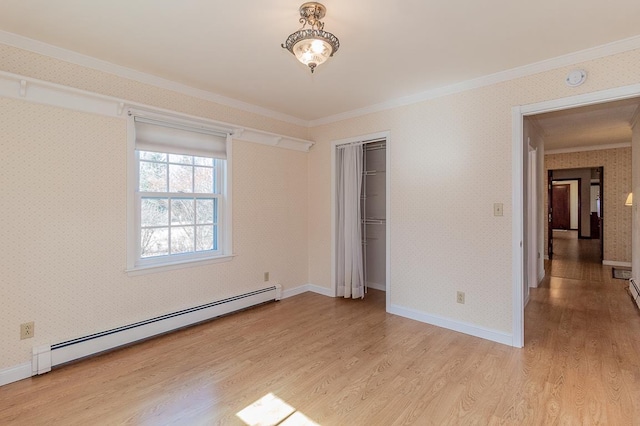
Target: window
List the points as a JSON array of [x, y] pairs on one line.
[[181, 201]]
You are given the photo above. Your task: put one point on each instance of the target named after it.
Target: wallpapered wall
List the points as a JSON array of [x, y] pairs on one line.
[[33, 65], [617, 185], [450, 161], [635, 214], [63, 233]]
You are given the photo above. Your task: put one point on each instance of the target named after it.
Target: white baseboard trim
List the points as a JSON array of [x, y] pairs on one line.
[[526, 300], [321, 290], [459, 326], [377, 286], [13, 374], [546, 257], [616, 263], [290, 292]]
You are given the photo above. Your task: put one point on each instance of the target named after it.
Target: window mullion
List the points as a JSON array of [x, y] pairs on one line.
[[138, 220], [168, 173], [170, 227], [180, 224]]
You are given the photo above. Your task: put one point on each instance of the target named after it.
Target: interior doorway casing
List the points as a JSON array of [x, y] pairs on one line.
[[518, 187]]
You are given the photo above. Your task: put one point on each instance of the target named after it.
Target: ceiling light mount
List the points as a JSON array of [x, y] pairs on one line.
[[313, 45]]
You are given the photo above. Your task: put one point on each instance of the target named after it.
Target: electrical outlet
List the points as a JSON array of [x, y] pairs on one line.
[[460, 297], [266, 276], [27, 330]]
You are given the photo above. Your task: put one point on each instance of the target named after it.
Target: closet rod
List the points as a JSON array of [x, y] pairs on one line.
[[361, 143]]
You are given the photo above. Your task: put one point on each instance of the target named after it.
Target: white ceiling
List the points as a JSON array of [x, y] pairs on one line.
[[389, 49], [588, 126]]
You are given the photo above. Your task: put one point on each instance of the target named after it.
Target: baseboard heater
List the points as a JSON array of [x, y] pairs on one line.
[[47, 356]]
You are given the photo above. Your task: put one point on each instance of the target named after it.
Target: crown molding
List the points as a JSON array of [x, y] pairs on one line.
[[588, 148], [597, 52], [76, 58], [620, 46]]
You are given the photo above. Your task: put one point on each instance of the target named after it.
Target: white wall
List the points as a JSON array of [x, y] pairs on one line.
[[63, 191], [450, 162]]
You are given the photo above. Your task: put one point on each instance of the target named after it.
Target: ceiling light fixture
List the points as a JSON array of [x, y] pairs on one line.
[[312, 46]]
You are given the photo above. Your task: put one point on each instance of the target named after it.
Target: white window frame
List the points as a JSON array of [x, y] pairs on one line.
[[135, 264]]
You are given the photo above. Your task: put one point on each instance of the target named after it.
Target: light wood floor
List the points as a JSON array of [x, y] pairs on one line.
[[340, 362]]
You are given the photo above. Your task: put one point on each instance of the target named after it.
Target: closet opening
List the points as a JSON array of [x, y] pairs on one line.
[[360, 218], [374, 214]]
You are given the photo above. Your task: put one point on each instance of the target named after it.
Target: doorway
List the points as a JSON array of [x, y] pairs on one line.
[[524, 186], [574, 204], [374, 209], [561, 205]]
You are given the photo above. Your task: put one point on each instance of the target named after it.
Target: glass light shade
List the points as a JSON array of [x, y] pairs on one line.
[[312, 52], [312, 47], [629, 201]]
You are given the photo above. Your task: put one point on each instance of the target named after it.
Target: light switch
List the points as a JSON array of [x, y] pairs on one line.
[[497, 209]]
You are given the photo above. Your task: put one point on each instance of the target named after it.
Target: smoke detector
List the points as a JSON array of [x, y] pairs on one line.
[[576, 78]]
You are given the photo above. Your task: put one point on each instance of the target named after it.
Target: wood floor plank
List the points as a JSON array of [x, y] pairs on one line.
[[341, 362]]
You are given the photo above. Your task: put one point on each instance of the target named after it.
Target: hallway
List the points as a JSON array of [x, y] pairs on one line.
[[584, 321], [576, 258]]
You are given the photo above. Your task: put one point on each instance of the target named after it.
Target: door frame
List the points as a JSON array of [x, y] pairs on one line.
[[601, 218], [519, 148]]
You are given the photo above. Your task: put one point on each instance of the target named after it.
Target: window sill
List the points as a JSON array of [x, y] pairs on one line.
[[152, 269]]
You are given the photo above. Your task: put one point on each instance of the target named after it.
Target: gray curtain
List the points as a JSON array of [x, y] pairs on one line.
[[350, 274]]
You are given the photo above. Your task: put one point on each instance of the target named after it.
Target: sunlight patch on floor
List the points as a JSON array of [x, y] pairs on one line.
[[271, 410]]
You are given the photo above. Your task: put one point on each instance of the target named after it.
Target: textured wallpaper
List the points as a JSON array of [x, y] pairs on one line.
[[635, 214], [450, 161], [63, 232], [617, 185], [63, 190]]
